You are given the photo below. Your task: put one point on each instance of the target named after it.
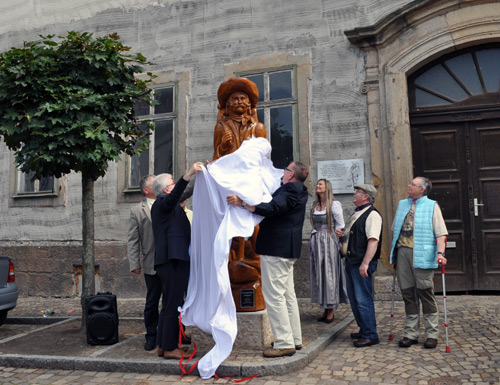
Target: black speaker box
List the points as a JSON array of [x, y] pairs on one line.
[[102, 319]]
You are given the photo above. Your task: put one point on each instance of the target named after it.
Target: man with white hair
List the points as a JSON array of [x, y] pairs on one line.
[[418, 245], [172, 233]]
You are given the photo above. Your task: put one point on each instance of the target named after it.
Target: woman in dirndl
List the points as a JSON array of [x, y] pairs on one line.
[[328, 286]]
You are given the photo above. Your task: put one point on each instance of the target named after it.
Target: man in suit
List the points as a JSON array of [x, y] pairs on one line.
[[172, 233], [141, 240], [279, 243]]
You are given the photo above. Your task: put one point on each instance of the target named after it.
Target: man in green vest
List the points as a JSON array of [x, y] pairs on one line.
[[418, 244]]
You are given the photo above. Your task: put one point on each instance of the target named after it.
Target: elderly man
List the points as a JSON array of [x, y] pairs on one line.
[[418, 245], [172, 233], [279, 242], [360, 244], [141, 241]]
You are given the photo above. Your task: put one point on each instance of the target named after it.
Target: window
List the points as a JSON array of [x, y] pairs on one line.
[[276, 109], [283, 81], [459, 79], [159, 157], [24, 191], [27, 185], [168, 141]]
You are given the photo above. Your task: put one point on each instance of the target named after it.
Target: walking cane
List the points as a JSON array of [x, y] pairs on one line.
[[444, 301], [392, 305]]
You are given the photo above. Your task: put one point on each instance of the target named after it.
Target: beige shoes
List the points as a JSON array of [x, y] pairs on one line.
[[279, 352]]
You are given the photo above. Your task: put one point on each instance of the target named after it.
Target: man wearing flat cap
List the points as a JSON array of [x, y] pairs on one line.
[[360, 244], [237, 118]]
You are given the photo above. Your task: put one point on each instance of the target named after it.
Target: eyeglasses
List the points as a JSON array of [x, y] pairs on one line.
[[168, 186]]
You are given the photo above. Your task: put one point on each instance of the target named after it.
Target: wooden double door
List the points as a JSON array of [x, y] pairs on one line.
[[462, 159]]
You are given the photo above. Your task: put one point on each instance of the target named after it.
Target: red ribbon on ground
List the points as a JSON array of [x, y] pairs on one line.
[[183, 366]]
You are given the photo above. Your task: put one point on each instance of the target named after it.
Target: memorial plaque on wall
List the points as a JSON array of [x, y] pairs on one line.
[[342, 174], [247, 298]]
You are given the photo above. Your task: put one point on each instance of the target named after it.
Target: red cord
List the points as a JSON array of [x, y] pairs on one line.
[[183, 367], [232, 379]]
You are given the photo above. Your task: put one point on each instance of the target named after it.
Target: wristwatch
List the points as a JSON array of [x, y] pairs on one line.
[[243, 204], [441, 253]]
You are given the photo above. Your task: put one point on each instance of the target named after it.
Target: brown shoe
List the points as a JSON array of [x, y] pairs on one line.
[[430, 343], [279, 352], [297, 347], [160, 352], [174, 354], [407, 342]]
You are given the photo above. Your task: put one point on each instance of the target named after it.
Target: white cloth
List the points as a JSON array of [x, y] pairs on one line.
[[209, 304]]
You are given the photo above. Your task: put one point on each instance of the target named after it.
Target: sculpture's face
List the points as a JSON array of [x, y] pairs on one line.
[[238, 103]]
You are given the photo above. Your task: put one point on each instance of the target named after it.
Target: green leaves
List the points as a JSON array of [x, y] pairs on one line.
[[67, 103]]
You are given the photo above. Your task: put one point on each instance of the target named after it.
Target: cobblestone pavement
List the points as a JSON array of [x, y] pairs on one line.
[[474, 340]]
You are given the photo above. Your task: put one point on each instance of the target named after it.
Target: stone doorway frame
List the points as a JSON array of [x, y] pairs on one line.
[[395, 47]]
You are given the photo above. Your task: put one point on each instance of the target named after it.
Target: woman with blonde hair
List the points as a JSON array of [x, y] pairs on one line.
[[328, 286]]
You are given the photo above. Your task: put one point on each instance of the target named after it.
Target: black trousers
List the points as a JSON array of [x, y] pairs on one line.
[[151, 312], [174, 276]]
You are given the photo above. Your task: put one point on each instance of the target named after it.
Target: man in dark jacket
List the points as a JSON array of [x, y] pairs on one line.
[[360, 245], [279, 243], [172, 233]]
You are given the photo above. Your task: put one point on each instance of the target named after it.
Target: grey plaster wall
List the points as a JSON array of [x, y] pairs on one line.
[[201, 36]]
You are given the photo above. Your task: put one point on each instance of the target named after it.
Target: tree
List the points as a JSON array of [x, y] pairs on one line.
[[67, 105]]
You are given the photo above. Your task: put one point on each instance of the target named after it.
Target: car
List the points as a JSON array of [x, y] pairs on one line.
[[8, 288]]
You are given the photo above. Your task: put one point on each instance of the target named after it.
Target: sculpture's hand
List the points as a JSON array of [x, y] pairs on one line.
[[227, 138]]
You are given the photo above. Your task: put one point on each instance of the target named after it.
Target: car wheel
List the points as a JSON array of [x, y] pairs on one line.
[[3, 316]]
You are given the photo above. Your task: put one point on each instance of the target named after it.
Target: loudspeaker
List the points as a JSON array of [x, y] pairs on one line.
[[102, 319]]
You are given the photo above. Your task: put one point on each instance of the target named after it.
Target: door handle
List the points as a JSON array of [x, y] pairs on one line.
[[476, 205]]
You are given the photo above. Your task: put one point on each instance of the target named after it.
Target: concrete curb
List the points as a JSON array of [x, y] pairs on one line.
[[234, 369]]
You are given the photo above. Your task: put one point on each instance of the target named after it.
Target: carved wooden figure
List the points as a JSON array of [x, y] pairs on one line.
[[236, 122]]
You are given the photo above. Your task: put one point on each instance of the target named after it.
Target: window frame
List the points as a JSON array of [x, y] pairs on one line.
[[267, 104], [152, 117], [34, 199], [302, 65], [182, 82]]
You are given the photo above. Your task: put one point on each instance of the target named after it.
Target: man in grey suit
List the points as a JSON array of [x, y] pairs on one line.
[[141, 240]]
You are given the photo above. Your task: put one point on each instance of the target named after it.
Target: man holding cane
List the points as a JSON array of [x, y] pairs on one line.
[[418, 243]]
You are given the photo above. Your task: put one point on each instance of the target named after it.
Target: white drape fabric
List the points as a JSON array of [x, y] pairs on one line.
[[209, 304]]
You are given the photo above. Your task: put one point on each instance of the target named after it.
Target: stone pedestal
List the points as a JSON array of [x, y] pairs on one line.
[[254, 331]]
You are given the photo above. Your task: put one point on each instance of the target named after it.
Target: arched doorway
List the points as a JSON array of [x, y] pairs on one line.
[[455, 132], [398, 49]]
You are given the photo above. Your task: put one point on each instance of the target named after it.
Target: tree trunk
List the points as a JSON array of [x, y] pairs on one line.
[[88, 269]]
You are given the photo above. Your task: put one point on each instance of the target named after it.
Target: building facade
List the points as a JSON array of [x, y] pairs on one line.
[[409, 87]]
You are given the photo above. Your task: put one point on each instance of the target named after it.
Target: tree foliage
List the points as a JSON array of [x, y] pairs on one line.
[[67, 104]]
